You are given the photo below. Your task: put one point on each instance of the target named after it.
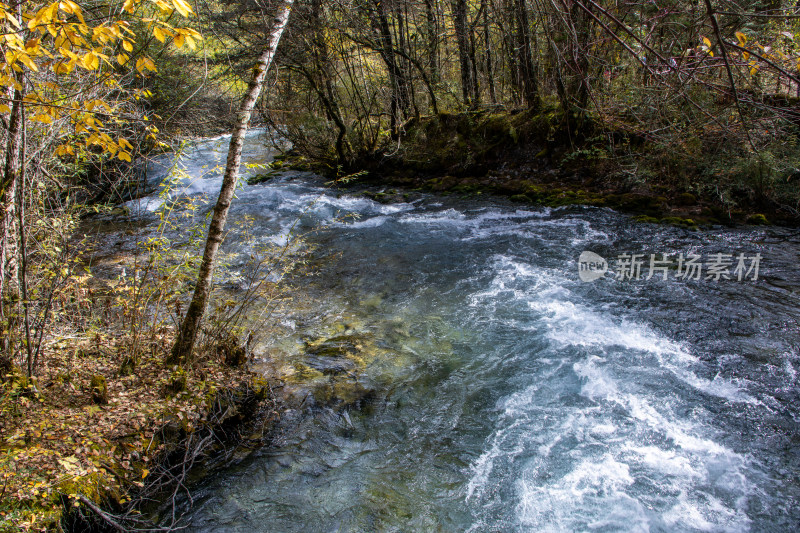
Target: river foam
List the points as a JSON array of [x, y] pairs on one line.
[[594, 444]]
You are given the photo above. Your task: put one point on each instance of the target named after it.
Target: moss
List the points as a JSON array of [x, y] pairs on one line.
[[262, 178], [177, 382], [758, 220], [532, 188], [466, 188], [687, 223], [647, 219], [99, 389], [522, 198], [686, 199], [93, 486], [261, 387]]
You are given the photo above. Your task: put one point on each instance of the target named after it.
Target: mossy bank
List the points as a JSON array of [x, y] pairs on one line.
[[545, 158]]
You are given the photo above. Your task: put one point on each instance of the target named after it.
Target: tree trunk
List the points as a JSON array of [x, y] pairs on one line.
[[432, 35], [579, 90], [406, 52], [400, 101], [488, 44], [184, 344], [8, 187], [461, 27], [323, 81], [529, 81]]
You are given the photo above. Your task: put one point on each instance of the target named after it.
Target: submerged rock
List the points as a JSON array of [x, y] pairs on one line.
[[340, 346], [331, 365]]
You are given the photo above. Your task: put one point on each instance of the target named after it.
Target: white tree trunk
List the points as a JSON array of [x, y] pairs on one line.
[[184, 344]]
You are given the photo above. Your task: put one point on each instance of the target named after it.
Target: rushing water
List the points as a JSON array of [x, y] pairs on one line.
[[523, 399]]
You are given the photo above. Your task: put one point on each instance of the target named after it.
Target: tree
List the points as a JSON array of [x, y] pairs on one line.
[[466, 56], [68, 98], [184, 344]]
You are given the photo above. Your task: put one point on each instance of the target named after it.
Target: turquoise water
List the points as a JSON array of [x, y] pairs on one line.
[[522, 399]]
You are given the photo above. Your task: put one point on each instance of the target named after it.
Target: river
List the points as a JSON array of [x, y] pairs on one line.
[[518, 397]]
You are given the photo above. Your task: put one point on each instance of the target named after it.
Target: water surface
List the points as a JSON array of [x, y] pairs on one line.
[[519, 398]]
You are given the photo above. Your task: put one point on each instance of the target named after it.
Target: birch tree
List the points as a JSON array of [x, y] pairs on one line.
[[184, 344]]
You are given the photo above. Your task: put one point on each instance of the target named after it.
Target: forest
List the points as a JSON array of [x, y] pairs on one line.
[[133, 347]]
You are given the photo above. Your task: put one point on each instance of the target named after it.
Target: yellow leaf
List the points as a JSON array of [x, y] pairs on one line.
[[742, 38], [64, 149], [28, 62], [12, 19], [4, 108], [75, 9], [122, 59], [753, 71], [47, 119], [145, 472], [707, 42], [125, 156], [145, 63], [178, 40], [62, 67], [32, 46], [90, 61], [164, 7], [159, 33], [127, 45], [182, 7]]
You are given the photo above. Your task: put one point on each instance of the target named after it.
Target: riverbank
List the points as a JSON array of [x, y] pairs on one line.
[[105, 427], [92, 436], [541, 158]]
